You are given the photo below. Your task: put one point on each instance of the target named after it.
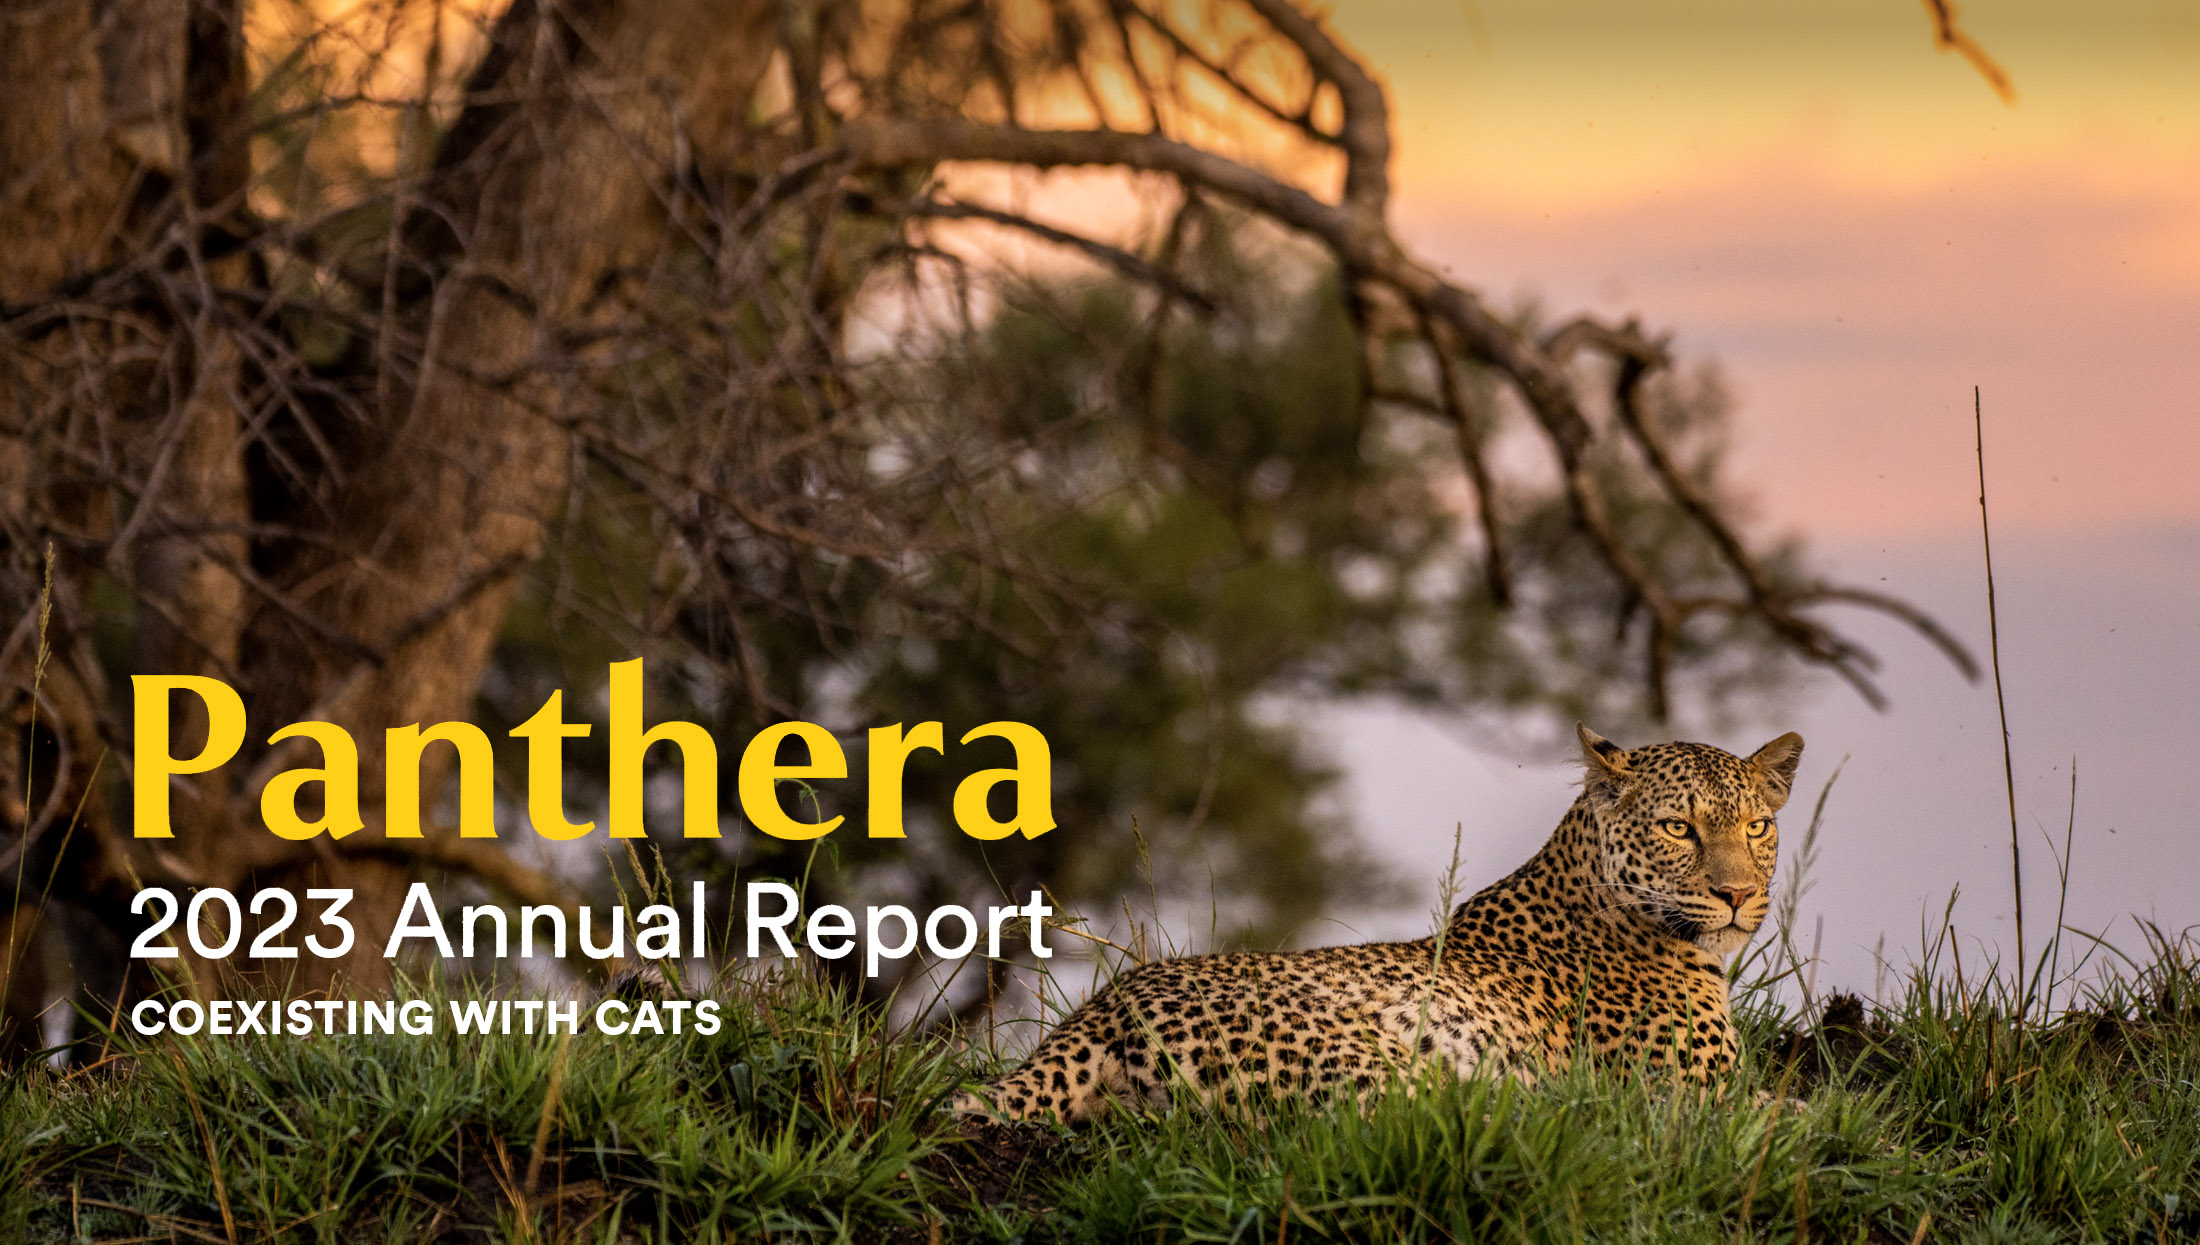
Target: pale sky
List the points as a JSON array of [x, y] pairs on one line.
[[1812, 193], [1859, 231]]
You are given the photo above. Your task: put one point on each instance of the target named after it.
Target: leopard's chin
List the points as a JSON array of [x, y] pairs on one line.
[[1724, 941]]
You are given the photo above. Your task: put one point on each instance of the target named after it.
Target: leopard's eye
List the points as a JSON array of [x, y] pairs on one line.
[[1676, 827], [1760, 827]]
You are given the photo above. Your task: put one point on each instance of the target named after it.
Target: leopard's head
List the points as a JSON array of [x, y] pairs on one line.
[[1687, 834]]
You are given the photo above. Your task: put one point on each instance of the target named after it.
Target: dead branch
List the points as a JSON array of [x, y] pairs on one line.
[[1949, 37], [1458, 407], [1355, 232], [1115, 257], [1365, 135]]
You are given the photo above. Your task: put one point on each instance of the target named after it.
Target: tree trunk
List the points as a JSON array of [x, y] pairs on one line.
[[371, 594], [76, 144]]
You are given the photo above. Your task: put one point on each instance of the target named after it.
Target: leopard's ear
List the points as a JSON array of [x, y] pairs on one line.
[[1775, 765], [1605, 768]]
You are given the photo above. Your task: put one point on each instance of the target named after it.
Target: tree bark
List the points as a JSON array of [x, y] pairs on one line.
[[72, 148], [371, 597]]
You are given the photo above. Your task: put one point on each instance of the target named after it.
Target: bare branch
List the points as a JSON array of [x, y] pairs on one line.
[[1302, 121], [1918, 620], [1458, 406], [1949, 37], [1366, 132], [1114, 257]]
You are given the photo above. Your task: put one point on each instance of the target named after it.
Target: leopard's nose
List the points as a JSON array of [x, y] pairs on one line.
[[1735, 896]]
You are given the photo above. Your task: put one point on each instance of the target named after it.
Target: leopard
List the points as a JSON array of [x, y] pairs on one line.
[[1610, 944]]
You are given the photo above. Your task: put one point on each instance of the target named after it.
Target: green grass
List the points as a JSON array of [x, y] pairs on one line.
[[806, 1119]]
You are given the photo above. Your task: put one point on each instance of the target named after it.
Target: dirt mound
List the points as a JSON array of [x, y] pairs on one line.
[[1847, 1040], [1001, 1163]]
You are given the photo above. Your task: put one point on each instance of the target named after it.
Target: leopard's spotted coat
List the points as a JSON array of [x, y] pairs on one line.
[[1611, 941]]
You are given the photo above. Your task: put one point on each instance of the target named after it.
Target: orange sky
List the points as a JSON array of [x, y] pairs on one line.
[[1557, 104], [1850, 221]]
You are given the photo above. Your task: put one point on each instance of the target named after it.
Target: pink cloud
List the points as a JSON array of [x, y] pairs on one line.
[[1854, 320]]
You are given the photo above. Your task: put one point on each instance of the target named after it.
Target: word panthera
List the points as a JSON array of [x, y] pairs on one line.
[[757, 780], [1610, 942]]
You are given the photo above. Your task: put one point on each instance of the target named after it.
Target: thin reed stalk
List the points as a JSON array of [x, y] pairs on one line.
[[2001, 703]]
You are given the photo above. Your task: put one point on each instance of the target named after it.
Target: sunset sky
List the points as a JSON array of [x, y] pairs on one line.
[[1858, 230]]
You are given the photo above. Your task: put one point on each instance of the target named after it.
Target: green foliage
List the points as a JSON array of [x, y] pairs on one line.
[[800, 1115], [1485, 1160], [806, 1117]]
